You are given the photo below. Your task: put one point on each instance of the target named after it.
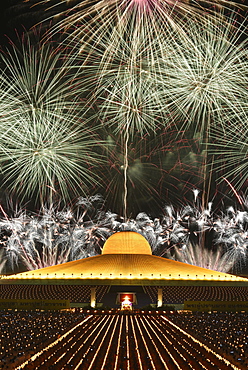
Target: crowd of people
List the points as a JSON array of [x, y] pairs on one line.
[[179, 294], [23, 333], [64, 339], [76, 293], [225, 333]]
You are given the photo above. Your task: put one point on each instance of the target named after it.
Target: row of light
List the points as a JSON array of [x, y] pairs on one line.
[[201, 344], [128, 276], [33, 358], [166, 348], [154, 344]]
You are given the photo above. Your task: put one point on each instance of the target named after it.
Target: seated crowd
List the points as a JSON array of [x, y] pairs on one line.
[[75, 293], [23, 333], [179, 294], [225, 333], [66, 340]]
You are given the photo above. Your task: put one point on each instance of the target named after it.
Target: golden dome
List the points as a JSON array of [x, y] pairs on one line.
[[126, 242]]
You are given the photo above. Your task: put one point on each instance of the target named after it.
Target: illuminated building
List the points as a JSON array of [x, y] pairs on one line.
[[126, 260]]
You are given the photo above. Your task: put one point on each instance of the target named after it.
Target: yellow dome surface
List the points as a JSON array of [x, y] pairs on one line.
[[126, 269], [126, 242]]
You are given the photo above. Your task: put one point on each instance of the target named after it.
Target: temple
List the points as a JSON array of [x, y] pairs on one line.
[[126, 261]]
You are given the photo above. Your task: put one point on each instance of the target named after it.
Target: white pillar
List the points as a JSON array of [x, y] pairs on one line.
[[93, 297], [160, 297]]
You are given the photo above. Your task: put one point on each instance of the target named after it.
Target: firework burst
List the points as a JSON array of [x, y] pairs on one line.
[[2, 260], [43, 154], [35, 79], [54, 236], [217, 260], [232, 234], [125, 99], [45, 147], [205, 78]]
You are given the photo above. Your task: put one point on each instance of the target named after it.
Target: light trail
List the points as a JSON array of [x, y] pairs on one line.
[[202, 344], [101, 329], [182, 346], [122, 358], [112, 346], [53, 343], [136, 345], [100, 346], [84, 333], [145, 343], [118, 344], [147, 326], [161, 342], [127, 344]]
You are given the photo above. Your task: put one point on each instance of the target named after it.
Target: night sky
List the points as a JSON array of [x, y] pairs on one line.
[[16, 16]]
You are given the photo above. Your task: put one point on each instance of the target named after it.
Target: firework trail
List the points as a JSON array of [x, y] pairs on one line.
[[56, 236], [97, 16]]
